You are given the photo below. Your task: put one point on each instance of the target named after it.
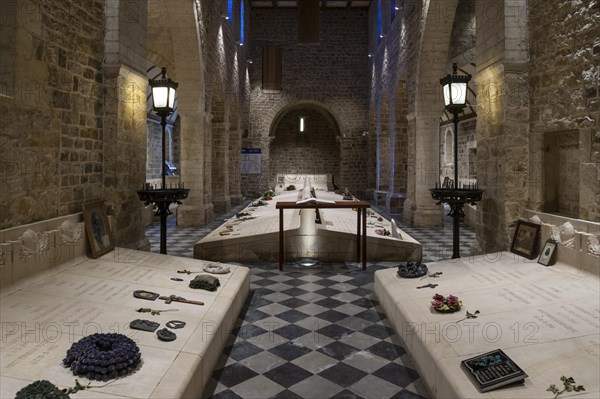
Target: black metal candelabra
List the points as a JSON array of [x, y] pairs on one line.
[[163, 197], [456, 196]]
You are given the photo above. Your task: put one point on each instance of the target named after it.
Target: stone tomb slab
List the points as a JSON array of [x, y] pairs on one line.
[[525, 308], [333, 240], [42, 319]]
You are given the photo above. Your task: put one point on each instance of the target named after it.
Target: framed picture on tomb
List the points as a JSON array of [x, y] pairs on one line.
[[97, 228], [525, 239], [547, 257]]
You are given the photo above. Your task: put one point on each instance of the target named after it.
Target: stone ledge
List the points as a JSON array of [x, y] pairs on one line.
[[48, 309], [545, 318]]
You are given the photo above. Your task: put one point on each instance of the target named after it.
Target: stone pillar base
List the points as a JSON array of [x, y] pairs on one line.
[[422, 216], [236, 199], [143, 244], [209, 212], [223, 205], [188, 216]]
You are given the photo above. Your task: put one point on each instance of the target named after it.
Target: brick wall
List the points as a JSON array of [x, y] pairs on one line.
[[332, 75], [314, 151], [565, 97], [52, 127], [154, 154], [467, 151]]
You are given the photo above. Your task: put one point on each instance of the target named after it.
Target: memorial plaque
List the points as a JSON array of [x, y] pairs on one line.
[[492, 370]]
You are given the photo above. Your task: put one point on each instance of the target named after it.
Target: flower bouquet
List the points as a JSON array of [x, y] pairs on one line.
[[444, 304]]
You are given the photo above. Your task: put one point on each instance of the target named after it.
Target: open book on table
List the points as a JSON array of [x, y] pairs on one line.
[[313, 200]]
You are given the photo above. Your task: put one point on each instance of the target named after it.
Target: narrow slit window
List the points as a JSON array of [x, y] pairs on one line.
[[242, 25], [379, 21], [301, 127]]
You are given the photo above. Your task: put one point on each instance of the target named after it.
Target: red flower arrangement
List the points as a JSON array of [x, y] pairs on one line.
[[448, 304]]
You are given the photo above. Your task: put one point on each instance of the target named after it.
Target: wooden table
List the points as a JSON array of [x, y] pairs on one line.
[[361, 215]]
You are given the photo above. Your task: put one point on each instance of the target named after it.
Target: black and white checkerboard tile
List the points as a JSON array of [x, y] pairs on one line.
[[313, 332], [316, 333]]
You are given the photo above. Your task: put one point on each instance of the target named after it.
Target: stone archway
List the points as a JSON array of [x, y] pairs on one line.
[[176, 43], [423, 127], [315, 150]]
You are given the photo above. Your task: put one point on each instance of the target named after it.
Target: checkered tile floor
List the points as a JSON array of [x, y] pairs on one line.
[[314, 332]]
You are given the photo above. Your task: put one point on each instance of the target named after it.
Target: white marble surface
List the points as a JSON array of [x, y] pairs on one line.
[[546, 318], [45, 314], [332, 240]]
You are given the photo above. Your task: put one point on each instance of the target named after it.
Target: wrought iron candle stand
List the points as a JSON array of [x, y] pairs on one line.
[[456, 198], [162, 199], [163, 100], [455, 88]]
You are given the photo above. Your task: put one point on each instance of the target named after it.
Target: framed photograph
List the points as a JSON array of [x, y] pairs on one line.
[[97, 228], [547, 256], [525, 239]]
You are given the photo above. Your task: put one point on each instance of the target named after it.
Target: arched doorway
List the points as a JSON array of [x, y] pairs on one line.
[[304, 139]]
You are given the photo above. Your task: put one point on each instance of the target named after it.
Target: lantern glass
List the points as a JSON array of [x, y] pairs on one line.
[[160, 96], [455, 93], [171, 98]]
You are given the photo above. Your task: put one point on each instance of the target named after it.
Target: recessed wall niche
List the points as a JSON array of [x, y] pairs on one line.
[[561, 173], [316, 150], [447, 152]]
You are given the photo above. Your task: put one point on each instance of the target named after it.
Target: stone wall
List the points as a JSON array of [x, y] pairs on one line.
[[74, 130], [565, 103], [314, 151], [52, 120], [332, 75], [467, 151], [225, 64], [154, 153], [389, 149]]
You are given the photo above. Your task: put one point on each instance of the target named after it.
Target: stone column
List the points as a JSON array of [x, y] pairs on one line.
[[220, 166], [208, 205], [419, 208], [193, 124], [235, 145], [125, 142], [503, 142], [125, 131]]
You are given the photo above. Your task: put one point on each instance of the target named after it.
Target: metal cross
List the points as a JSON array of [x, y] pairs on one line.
[[430, 285], [175, 298]]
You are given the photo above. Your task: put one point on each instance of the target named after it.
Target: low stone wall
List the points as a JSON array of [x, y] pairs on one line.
[[53, 295], [546, 318]]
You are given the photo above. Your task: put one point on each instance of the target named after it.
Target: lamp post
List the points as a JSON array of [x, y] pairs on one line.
[[163, 101], [455, 87]]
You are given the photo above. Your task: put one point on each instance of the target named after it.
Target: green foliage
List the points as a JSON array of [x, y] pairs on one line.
[[78, 387], [148, 310], [41, 389], [470, 315], [568, 383]]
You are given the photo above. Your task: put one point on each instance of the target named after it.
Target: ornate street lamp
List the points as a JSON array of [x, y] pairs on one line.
[[455, 87], [455, 100], [163, 101]]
